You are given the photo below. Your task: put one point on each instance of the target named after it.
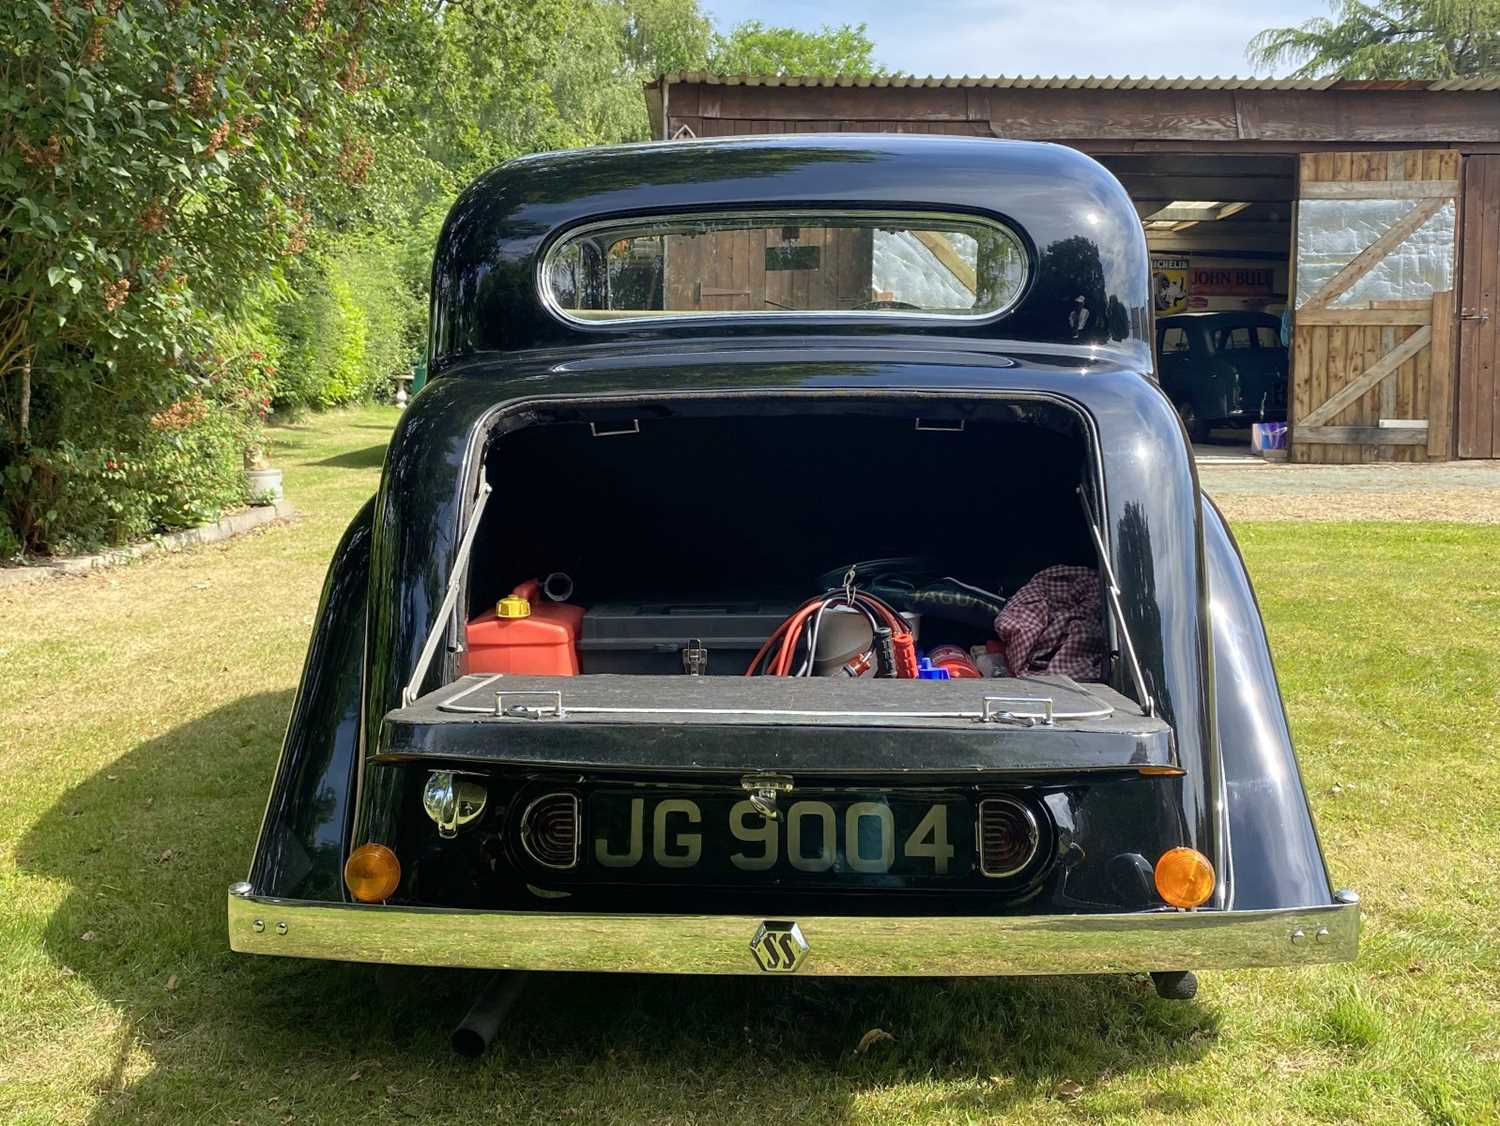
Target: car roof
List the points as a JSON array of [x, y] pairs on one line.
[[1084, 237]]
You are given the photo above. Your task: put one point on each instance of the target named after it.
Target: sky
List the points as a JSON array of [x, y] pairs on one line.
[[1011, 37]]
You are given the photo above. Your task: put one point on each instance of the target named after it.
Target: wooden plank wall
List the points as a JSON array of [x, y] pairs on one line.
[[1277, 120], [742, 126], [1327, 357], [730, 267], [1479, 294]]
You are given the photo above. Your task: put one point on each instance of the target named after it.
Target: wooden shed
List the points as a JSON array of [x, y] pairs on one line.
[[1372, 208]]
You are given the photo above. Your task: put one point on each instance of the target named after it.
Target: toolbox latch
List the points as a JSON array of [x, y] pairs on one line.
[[695, 658]]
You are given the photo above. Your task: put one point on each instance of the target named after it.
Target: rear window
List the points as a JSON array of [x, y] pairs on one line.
[[1232, 339], [779, 263]]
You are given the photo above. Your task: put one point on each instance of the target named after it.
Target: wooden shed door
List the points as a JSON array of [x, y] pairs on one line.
[[1372, 350], [1479, 312]]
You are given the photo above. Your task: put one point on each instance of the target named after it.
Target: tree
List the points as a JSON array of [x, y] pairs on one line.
[[210, 206], [157, 163], [665, 35], [1426, 39], [753, 48], [474, 91], [167, 170], [609, 49]]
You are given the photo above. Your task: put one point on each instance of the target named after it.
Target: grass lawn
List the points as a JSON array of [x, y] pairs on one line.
[[144, 710]]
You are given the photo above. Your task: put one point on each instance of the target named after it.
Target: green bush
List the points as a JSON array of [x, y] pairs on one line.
[[131, 460], [175, 176], [158, 163], [354, 321], [322, 334]]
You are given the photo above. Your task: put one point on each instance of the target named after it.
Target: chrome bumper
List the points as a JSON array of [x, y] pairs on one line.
[[846, 945]]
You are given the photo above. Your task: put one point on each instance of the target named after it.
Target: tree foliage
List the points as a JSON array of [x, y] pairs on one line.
[[609, 49], [207, 206], [476, 92], [159, 162], [1427, 39], [753, 48], [158, 159]]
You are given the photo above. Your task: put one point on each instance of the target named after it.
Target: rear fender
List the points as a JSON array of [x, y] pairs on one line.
[[1274, 858], [306, 827]]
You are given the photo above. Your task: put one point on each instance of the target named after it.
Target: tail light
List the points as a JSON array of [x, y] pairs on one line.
[[372, 873], [1008, 837], [550, 830], [1184, 877]]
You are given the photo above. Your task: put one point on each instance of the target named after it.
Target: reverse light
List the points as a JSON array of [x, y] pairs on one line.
[[1184, 877], [550, 830], [372, 873], [1008, 837]]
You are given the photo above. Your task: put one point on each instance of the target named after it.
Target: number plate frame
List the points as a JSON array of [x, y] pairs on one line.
[[662, 835]]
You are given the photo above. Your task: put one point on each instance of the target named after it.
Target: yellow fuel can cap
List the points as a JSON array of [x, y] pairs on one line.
[[513, 606]]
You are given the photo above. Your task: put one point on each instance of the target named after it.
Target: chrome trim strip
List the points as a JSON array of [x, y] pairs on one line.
[[769, 216], [847, 945], [986, 715]]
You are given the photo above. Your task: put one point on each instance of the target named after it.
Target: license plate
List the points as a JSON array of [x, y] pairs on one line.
[[875, 838]]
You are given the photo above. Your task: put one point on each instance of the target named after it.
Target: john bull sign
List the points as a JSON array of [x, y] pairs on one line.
[[1231, 281]]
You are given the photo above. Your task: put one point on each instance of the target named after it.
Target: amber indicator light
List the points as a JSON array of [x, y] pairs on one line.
[[372, 873], [1184, 877]]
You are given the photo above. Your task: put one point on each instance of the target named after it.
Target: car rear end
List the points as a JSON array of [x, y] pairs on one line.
[[791, 566], [740, 826], [640, 804]]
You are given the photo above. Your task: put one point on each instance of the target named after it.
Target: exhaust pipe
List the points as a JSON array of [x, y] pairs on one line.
[[478, 1028], [1179, 985]]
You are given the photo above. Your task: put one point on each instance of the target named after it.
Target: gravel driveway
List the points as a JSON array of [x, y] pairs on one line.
[[1463, 491]]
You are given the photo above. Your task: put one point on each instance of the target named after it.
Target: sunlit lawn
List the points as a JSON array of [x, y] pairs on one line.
[[143, 712]]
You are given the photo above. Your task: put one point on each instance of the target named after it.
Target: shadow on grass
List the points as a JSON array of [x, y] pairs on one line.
[[259, 1039], [371, 457]]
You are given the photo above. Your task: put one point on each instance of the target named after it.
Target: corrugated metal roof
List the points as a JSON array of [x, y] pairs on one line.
[[1069, 82], [1465, 84]]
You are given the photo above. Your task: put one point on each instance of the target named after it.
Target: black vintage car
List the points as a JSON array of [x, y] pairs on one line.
[[792, 565], [1224, 369]]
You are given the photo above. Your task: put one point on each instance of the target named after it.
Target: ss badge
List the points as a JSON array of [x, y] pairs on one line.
[[778, 947]]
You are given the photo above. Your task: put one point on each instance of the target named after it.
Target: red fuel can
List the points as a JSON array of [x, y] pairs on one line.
[[525, 636]]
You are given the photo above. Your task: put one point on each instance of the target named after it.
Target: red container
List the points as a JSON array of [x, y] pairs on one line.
[[542, 641], [956, 660]]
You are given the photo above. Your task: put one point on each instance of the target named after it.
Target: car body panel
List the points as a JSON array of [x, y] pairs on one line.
[[304, 835]]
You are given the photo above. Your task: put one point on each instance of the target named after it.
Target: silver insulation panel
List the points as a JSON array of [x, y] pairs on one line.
[[1332, 232]]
